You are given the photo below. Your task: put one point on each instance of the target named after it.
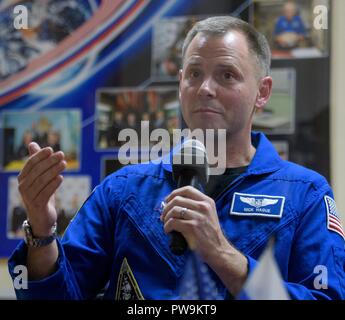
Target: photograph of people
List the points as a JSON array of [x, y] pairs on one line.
[[289, 30]]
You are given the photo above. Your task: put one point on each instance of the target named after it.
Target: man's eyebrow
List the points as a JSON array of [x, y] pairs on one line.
[[227, 65], [193, 62], [232, 66]]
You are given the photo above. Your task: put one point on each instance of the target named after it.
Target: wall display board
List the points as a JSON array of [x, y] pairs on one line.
[[84, 70]]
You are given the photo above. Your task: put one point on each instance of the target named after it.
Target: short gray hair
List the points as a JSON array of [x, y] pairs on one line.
[[220, 25]]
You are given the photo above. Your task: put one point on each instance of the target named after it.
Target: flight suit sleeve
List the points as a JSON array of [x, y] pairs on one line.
[[85, 251], [317, 260], [58, 286]]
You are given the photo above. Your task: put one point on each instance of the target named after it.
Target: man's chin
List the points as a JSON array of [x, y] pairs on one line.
[[208, 126], [209, 131]]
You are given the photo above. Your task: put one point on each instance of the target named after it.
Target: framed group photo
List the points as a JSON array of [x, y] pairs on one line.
[[69, 197], [59, 129], [140, 110]]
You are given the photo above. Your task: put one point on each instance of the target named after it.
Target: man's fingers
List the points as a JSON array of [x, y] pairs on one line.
[[44, 179], [33, 148], [179, 201], [187, 192], [38, 170], [190, 198], [45, 194], [182, 213], [34, 160]]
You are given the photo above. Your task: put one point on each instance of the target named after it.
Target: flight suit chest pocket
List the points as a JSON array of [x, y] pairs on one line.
[[251, 231], [147, 222]]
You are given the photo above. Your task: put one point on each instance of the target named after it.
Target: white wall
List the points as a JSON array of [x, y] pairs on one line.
[[337, 108]]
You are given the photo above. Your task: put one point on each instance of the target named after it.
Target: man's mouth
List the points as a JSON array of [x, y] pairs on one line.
[[207, 110]]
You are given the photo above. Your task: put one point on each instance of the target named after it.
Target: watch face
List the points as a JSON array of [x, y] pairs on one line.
[[27, 231]]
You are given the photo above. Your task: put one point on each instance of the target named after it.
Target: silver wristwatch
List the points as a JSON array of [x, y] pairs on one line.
[[31, 241]]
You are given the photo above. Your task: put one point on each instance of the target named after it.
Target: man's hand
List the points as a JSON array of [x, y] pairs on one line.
[[199, 224], [38, 182], [194, 214]]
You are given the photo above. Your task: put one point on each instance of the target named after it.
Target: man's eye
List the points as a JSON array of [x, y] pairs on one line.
[[227, 75], [194, 74]]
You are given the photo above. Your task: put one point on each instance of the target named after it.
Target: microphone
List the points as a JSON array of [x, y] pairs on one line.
[[190, 168]]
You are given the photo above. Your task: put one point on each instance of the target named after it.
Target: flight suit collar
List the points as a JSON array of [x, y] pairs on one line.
[[265, 160]]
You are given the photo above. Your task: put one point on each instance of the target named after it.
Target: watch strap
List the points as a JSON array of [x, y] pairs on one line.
[[37, 242]]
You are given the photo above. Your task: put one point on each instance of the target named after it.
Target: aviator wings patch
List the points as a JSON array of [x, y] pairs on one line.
[[258, 203]]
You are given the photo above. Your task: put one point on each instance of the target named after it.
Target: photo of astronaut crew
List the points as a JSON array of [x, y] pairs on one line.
[[58, 129], [147, 110], [68, 199]]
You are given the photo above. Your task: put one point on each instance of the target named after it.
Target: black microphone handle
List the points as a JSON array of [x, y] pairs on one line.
[[178, 244]]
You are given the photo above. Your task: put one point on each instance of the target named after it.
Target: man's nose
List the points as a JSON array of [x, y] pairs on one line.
[[207, 88]]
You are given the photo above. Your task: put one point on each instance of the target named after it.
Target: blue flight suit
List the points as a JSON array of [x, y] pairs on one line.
[[294, 25], [117, 239]]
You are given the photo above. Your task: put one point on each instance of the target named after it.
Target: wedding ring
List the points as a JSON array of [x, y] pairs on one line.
[[183, 212]]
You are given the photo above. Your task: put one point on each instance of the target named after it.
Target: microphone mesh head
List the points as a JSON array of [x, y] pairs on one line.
[[193, 147], [192, 151], [192, 155]]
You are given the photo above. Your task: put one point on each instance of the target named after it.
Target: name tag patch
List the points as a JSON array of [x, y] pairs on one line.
[[244, 204]]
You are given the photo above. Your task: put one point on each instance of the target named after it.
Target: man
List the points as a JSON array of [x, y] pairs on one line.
[[119, 236], [289, 30]]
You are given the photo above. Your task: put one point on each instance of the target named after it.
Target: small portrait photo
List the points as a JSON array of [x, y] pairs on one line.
[[70, 196], [109, 165], [167, 41], [289, 27], [140, 110], [278, 116], [282, 147], [59, 129]]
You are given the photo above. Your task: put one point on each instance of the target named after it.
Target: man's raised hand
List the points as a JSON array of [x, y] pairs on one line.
[[38, 181]]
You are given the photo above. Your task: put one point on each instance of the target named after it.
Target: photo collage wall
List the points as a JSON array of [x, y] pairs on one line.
[[74, 83]]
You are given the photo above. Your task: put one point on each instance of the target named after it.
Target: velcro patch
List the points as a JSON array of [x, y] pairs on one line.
[[333, 221], [244, 204], [127, 286]]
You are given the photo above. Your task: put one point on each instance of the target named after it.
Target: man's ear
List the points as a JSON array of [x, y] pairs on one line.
[[180, 79], [265, 91]]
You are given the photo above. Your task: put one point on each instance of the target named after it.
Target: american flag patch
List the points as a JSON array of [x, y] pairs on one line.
[[333, 221]]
